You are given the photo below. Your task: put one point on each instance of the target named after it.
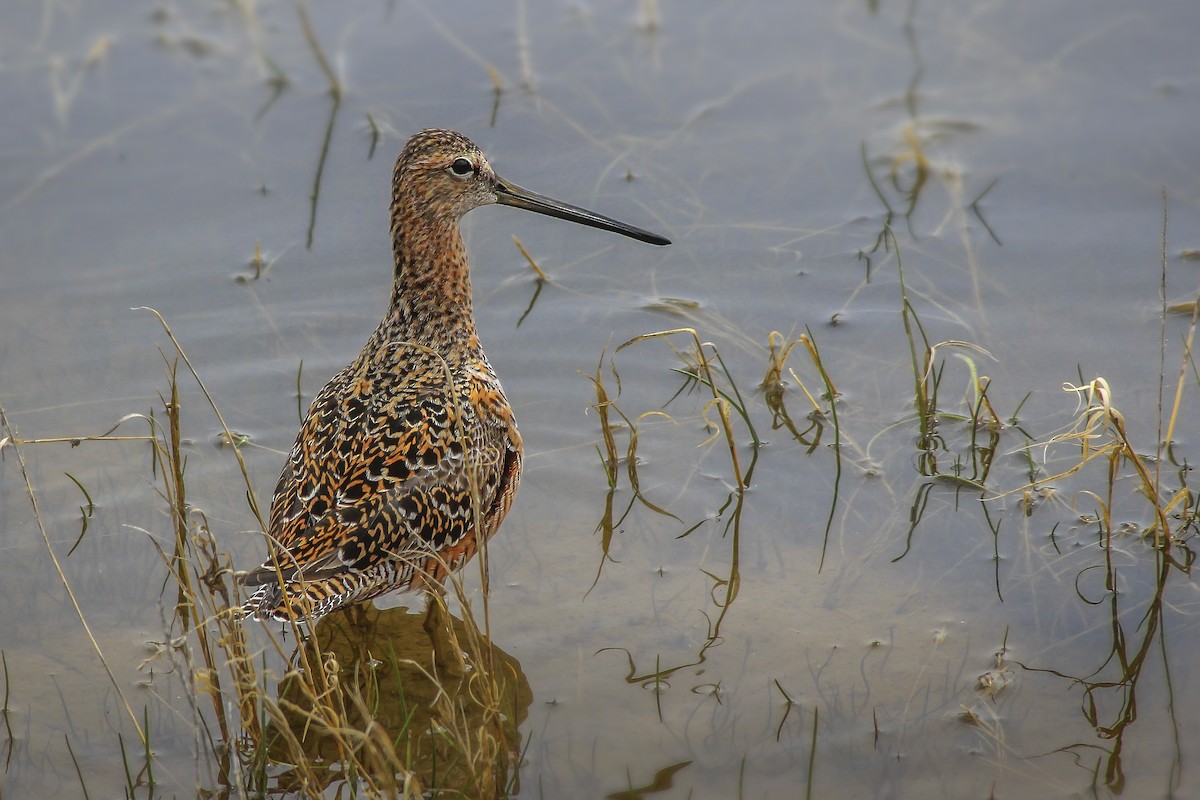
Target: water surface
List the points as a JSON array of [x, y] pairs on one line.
[[895, 633]]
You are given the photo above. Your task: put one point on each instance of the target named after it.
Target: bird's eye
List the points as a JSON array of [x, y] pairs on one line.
[[462, 167]]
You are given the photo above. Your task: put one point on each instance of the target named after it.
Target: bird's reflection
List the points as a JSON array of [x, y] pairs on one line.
[[386, 712]]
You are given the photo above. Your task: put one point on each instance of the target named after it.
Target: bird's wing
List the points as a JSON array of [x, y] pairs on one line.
[[381, 471]]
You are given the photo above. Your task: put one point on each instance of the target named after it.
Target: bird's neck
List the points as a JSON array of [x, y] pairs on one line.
[[431, 289]]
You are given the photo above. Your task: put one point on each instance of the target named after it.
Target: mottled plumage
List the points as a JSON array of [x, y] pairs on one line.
[[377, 493]]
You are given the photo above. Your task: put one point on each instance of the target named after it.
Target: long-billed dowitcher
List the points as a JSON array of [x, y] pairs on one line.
[[410, 453]]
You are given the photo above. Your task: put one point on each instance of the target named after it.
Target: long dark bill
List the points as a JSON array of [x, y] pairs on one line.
[[509, 194]]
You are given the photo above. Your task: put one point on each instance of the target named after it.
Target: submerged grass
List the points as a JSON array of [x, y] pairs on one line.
[[6, 712], [700, 369], [959, 437]]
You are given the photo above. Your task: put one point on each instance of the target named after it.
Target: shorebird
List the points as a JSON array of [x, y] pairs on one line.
[[411, 453]]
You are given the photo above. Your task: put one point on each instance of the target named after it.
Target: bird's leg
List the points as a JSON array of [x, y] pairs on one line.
[[447, 654], [358, 615]]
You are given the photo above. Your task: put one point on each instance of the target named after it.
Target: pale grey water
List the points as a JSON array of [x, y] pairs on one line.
[[144, 155]]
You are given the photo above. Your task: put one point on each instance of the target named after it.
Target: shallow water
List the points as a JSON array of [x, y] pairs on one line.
[[147, 155]]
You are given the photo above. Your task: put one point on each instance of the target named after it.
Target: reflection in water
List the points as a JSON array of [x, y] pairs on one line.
[[395, 700], [1110, 689], [662, 781]]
